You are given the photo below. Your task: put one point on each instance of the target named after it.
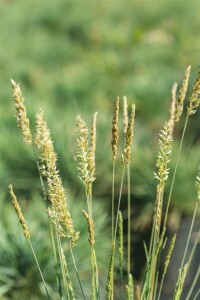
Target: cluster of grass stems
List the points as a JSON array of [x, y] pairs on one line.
[[61, 223]]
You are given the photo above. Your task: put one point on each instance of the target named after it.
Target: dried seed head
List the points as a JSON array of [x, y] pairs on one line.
[[115, 134], [19, 213], [167, 260], [182, 94], [83, 157], [126, 156], [172, 108], [194, 98], [90, 228], [163, 158], [93, 145], [197, 184], [125, 114], [22, 120]]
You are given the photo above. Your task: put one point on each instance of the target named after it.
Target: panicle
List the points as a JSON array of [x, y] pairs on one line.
[[172, 108], [19, 213], [90, 228], [44, 144], [164, 152], [182, 94], [194, 100], [126, 156], [58, 211], [93, 145], [115, 130], [83, 157], [125, 114], [22, 120]]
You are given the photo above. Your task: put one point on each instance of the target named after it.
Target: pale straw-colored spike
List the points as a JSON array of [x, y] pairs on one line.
[[22, 120], [93, 145], [115, 130], [19, 213], [164, 152], [125, 114], [182, 94], [194, 100], [82, 156], [90, 228], [172, 108], [44, 143], [126, 156]]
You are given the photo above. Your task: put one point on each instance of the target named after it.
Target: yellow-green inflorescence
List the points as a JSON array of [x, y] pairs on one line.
[[58, 211]]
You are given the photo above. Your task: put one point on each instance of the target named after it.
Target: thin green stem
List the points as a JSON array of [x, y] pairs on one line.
[[96, 273], [55, 260], [161, 285], [74, 262], [93, 275], [129, 221], [189, 235], [193, 283], [197, 294], [61, 262], [156, 283], [175, 170], [118, 206], [39, 269]]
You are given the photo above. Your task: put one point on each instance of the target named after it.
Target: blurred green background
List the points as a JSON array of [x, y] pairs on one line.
[[75, 57]]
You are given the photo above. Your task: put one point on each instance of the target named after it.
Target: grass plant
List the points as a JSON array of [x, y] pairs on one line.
[[60, 219]]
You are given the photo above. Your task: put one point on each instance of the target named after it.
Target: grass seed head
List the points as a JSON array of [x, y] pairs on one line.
[[164, 152], [167, 260], [93, 145], [182, 94], [90, 228], [180, 282], [22, 120], [19, 213], [126, 156], [125, 114], [58, 212], [115, 130], [83, 157], [172, 108], [194, 101]]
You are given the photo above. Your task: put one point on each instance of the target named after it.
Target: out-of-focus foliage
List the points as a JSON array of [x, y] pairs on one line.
[[76, 56]]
